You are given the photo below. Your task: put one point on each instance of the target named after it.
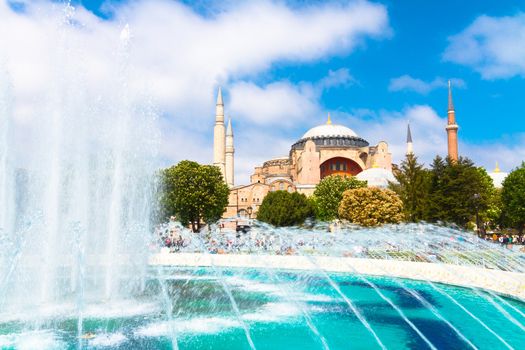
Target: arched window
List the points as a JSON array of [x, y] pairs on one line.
[[281, 186]]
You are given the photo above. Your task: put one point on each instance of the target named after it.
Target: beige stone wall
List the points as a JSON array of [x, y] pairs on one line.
[[282, 184], [380, 156], [276, 171], [308, 165], [300, 172], [242, 197], [257, 176], [271, 170]]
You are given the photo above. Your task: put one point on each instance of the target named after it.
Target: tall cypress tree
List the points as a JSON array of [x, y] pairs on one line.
[[413, 187], [459, 189]]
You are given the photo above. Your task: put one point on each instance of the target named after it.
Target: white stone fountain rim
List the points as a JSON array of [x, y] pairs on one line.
[[502, 282]]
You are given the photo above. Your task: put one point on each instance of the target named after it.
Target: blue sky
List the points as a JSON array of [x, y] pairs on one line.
[[284, 65]]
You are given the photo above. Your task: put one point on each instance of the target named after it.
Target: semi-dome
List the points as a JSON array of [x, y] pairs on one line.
[[329, 130], [376, 177]]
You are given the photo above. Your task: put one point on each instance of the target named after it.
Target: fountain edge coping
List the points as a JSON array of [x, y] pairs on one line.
[[502, 282]]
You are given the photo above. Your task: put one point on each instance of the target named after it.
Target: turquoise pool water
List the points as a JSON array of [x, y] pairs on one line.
[[191, 309]]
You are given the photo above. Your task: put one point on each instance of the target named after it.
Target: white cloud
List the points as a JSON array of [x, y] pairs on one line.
[[493, 46], [509, 152], [428, 130], [340, 77], [254, 146], [430, 138], [406, 82], [283, 103], [178, 57], [280, 103]]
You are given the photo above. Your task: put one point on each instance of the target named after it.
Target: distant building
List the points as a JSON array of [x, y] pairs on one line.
[[324, 150], [498, 176]]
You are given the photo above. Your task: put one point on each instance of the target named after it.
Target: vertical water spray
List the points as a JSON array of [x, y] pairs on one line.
[[115, 210], [6, 185], [80, 194], [5, 162]]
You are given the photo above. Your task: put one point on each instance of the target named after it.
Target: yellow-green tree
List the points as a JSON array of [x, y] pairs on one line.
[[371, 207], [328, 194]]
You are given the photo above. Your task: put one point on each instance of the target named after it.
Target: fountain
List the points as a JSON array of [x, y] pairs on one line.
[[76, 193], [82, 267]]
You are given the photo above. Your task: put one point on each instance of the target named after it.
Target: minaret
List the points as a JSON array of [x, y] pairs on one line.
[[497, 169], [452, 128], [229, 154], [410, 147], [219, 138]]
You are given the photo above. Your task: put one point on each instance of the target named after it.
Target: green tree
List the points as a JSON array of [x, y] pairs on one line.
[[513, 197], [281, 208], [371, 206], [494, 213], [193, 193], [413, 187], [459, 189], [328, 194]]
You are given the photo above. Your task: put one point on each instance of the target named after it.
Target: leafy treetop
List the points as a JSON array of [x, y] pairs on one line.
[[513, 197], [193, 193], [328, 194], [371, 206], [281, 208]]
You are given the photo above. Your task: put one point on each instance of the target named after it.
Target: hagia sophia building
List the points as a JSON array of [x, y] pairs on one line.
[[324, 150]]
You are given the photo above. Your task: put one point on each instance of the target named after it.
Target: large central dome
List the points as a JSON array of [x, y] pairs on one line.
[[331, 136], [329, 130]]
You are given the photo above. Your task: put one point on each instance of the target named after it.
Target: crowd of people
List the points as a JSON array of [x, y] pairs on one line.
[[171, 237], [506, 239]]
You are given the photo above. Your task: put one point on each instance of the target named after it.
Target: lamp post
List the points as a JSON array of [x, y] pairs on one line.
[[249, 210], [476, 203]]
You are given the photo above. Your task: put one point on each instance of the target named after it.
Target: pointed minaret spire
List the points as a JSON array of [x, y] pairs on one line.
[[497, 169], [229, 130], [410, 147], [329, 120], [219, 97], [219, 137], [452, 128], [450, 102], [229, 160]]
